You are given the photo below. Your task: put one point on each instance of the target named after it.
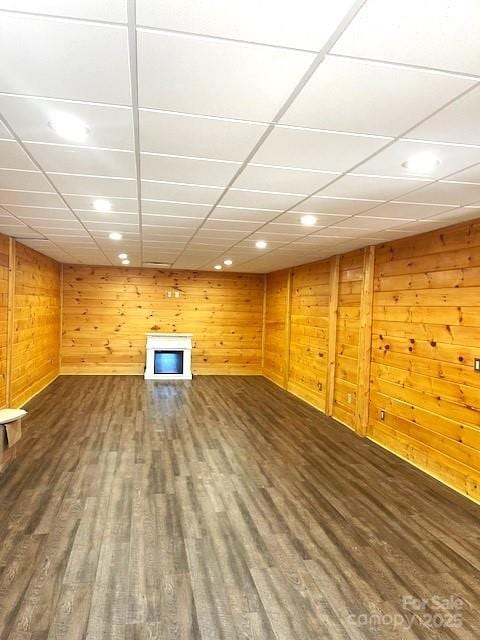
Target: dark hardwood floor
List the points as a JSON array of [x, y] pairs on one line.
[[223, 509]]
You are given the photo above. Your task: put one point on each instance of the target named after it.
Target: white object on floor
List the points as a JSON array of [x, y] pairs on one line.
[[9, 415], [174, 343]]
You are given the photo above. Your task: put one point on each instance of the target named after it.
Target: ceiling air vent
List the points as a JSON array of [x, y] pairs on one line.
[[160, 265]]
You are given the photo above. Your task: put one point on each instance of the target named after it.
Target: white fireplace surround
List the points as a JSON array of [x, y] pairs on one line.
[[168, 342]]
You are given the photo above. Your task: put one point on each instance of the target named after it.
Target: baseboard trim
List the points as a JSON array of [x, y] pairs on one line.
[[30, 398]]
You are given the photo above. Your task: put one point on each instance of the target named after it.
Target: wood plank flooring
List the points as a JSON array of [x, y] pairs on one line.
[[222, 509]]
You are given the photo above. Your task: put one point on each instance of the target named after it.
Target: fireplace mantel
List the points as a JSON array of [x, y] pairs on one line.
[[168, 356]]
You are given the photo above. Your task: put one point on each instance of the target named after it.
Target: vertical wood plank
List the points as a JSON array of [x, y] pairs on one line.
[[10, 316], [288, 325], [60, 338], [264, 319], [332, 333], [365, 343]]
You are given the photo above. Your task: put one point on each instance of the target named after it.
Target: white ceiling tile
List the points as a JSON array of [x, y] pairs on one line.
[[120, 217], [371, 187], [421, 226], [180, 192], [39, 215], [165, 207], [281, 201], [98, 226], [461, 214], [4, 132], [12, 156], [317, 241], [192, 170], [29, 117], [64, 59], [233, 225], [307, 24], [24, 180], [79, 232], [174, 233], [109, 10], [8, 197], [323, 219], [98, 185], [335, 231], [239, 213], [186, 135], [45, 225], [365, 97], [407, 210], [18, 231], [434, 33], [8, 218], [455, 123], [215, 77], [70, 159], [370, 224], [282, 180], [468, 175], [308, 149], [454, 193], [221, 234], [331, 205], [176, 222], [390, 161], [280, 232], [85, 203]]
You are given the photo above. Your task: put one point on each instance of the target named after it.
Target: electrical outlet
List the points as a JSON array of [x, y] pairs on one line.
[[382, 414], [476, 365], [349, 398]]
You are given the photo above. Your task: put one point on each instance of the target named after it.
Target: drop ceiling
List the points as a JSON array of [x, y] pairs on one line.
[[215, 124]]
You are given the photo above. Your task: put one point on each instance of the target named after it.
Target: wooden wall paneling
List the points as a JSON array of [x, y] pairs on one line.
[[425, 336], [12, 270], [365, 343], [351, 275], [288, 328], [108, 310], [309, 332], [36, 320], [264, 319], [332, 333], [4, 318], [60, 324], [275, 326]]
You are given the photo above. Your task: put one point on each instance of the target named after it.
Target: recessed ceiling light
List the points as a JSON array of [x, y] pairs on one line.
[[261, 244], [308, 220], [125, 261], [421, 162], [69, 127], [218, 267], [102, 205], [122, 256], [115, 235], [228, 262]]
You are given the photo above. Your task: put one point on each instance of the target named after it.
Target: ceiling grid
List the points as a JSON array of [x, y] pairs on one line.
[[203, 128]]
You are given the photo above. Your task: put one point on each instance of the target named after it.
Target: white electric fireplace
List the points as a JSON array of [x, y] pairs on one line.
[[169, 356]]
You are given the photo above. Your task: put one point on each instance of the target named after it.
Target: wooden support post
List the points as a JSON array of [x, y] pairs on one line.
[[288, 305], [10, 319], [365, 343], [332, 334]]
